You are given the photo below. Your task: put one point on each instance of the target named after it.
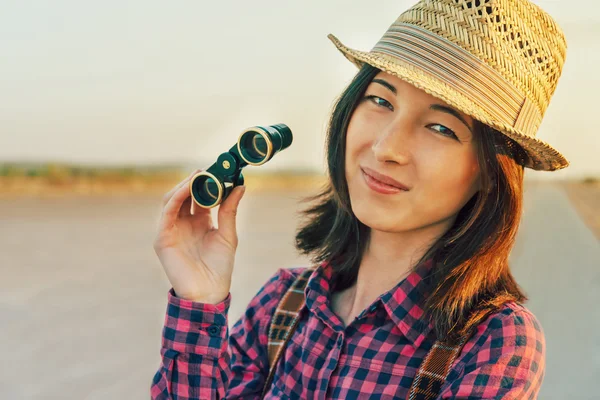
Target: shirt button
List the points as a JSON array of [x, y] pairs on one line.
[[214, 330]]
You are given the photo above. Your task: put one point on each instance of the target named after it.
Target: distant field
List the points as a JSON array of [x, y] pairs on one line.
[[66, 180], [58, 180]]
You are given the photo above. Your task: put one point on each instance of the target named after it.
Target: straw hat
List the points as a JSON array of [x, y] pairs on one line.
[[496, 60]]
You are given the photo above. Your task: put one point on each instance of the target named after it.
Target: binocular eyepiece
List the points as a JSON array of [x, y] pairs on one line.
[[255, 146]]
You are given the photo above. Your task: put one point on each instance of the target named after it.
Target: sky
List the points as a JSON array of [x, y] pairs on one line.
[[127, 82]]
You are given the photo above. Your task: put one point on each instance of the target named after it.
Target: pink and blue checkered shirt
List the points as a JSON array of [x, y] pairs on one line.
[[375, 357]]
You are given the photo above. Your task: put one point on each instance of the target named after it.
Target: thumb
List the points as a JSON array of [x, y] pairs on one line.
[[228, 213]]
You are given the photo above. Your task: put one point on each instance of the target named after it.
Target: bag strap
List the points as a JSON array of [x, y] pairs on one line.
[[434, 369], [284, 321], [429, 378]]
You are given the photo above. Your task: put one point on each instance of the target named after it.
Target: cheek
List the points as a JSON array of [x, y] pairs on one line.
[[357, 140], [451, 179], [355, 133]]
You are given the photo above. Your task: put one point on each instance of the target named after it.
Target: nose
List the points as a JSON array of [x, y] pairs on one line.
[[393, 143]]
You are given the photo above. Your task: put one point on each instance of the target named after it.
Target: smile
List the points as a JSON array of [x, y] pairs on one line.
[[380, 187]]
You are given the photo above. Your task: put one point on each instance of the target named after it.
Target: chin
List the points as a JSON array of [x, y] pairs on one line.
[[378, 217]]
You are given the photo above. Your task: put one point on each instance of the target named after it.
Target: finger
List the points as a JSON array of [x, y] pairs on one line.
[[227, 215], [202, 217], [185, 209], [170, 194], [171, 210], [187, 206]]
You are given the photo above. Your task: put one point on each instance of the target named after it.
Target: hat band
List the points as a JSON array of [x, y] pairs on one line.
[[462, 71]]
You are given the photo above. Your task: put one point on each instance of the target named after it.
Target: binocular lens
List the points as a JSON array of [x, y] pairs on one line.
[[257, 145], [206, 190], [211, 189], [254, 146]]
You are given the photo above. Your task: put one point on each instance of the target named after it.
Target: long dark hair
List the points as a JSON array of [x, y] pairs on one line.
[[471, 276]]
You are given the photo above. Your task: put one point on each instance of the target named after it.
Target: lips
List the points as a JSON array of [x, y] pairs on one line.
[[383, 179], [380, 187]]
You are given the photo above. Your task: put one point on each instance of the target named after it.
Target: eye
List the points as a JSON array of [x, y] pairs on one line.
[[376, 99], [445, 131], [384, 103]]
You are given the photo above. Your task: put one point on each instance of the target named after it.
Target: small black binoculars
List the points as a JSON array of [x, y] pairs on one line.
[[255, 146]]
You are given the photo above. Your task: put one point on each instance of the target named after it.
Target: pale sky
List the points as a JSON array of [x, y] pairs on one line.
[[111, 82]]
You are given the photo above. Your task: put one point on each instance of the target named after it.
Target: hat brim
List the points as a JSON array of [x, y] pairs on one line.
[[541, 156]]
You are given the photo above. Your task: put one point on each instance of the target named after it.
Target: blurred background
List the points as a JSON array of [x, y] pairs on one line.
[[105, 106]]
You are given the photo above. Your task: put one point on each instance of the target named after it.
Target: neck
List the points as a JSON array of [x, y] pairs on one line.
[[388, 259]]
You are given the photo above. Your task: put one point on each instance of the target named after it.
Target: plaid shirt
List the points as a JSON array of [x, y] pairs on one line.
[[375, 357]]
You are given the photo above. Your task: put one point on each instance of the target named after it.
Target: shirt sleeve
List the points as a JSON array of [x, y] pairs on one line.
[[508, 360], [201, 359]]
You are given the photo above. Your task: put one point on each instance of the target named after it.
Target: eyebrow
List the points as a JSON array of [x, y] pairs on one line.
[[435, 107]]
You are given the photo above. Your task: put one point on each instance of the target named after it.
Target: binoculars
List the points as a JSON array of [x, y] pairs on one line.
[[255, 146]]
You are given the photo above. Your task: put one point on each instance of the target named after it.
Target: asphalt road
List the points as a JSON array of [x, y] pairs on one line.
[[83, 296]]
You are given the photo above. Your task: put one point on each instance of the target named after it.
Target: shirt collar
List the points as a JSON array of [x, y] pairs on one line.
[[403, 302]]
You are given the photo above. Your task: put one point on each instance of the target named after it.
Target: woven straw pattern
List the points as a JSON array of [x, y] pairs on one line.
[[516, 38], [503, 59]]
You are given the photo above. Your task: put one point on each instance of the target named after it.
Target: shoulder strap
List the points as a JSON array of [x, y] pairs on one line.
[[435, 369], [431, 374], [285, 321]]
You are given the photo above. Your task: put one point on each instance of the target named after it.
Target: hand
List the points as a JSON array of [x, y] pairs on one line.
[[197, 258]]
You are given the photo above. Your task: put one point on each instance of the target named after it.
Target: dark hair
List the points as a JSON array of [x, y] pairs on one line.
[[470, 277]]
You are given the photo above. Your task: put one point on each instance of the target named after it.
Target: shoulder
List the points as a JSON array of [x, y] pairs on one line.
[[270, 293], [512, 329], [284, 277], [294, 272], [505, 355], [512, 325]]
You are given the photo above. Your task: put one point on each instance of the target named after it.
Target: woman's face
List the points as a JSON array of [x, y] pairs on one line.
[[414, 138]]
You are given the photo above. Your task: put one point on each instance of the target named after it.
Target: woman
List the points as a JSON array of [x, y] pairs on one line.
[[411, 236]]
